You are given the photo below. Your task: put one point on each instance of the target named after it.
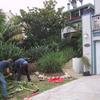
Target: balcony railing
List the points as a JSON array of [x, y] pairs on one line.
[[75, 18]]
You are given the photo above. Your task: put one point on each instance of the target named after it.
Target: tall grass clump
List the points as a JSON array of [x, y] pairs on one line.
[[52, 62]]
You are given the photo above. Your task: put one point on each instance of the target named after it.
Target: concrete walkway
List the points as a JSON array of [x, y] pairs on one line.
[[87, 88]]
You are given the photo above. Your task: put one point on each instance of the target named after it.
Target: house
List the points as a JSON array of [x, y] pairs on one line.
[[91, 38], [75, 20]]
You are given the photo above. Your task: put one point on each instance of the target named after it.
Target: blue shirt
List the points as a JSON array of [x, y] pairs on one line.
[[21, 61]]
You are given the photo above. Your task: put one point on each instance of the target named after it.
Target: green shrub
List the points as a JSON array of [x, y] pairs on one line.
[[52, 62], [49, 63], [9, 50], [68, 53], [36, 52], [53, 47], [63, 44]]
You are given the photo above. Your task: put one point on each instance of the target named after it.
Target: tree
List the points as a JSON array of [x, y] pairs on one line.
[[45, 23]]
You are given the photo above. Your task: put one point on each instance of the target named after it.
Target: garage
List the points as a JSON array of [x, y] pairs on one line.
[[97, 57]]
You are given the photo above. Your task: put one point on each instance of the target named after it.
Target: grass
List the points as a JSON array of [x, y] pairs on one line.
[[46, 85]]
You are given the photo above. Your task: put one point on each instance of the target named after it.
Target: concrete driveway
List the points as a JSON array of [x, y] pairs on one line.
[[86, 88]]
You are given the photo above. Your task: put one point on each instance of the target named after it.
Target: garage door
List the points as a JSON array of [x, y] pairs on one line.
[[97, 49]]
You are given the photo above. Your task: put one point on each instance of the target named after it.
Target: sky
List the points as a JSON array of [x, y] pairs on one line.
[[16, 5]]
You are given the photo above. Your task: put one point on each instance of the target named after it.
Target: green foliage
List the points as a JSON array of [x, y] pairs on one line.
[[49, 63], [53, 47], [36, 52], [79, 50], [10, 51], [2, 20], [16, 20], [63, 44], [52, 62], [43, 23], [73, 40], [2, 24], [11, 30]]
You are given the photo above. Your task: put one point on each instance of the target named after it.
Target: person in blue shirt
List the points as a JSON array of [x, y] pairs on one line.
[[20, 66], [4, 65]]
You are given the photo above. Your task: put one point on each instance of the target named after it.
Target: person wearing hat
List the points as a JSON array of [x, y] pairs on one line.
[[20, 66], [4, 66]]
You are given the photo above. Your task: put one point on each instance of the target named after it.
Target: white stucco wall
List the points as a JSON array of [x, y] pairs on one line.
[[86, 36], [97, 6], [91, 36]]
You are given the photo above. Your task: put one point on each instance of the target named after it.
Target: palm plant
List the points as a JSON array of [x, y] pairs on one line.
[[14, 30], [2, 23]]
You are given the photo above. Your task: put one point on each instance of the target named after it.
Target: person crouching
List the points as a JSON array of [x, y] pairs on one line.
[[20, 66], [4, 65]]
